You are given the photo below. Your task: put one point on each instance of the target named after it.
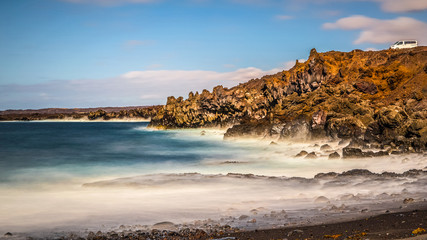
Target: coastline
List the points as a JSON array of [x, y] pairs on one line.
[[214, 228], [84, 120], [407, 224], [396, 225]]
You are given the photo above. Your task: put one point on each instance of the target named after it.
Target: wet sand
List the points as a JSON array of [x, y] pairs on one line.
[[398, 225]]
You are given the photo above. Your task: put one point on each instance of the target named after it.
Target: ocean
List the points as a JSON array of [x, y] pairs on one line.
[[58, 177]]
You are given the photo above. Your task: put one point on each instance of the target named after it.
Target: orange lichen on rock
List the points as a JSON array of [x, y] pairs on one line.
[[379, 96], [418, 231], [333, 236]]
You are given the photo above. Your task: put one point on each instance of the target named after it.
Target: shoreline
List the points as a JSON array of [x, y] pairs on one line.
[[396, 225], [408, 224], [80, 120]]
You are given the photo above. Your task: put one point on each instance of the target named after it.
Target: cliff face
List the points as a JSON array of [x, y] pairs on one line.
[[376, 96]]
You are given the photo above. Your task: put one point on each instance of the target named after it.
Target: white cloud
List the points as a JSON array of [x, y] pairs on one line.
[[382, 31], [290, 64], [386, 5], [132, 88], [403, 5], [371, 49]]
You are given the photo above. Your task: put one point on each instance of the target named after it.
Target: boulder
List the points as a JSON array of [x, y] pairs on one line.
[[302, 153], [311, 155], [334, 155], [296, 130], [347, 127], [352, 153], [391, 117], [325, 147], [349, 152], [317, 124]]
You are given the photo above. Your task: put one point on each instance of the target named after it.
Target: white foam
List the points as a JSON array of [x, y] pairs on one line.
[[147, 193]]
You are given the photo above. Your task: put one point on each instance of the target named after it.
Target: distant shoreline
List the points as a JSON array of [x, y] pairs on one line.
[[119, 114], [78, 120]]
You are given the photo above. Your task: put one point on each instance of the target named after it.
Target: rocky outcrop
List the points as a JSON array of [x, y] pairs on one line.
[[377, 97]]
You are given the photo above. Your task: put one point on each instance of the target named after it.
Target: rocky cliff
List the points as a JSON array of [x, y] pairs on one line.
[[375, 97]]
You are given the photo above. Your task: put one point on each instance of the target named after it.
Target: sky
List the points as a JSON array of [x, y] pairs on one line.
[[98, 53]]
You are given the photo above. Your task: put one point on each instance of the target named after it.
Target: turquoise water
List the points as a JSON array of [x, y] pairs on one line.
[[91, 149]]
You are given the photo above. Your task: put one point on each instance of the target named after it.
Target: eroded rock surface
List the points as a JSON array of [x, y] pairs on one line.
[[376, 97]]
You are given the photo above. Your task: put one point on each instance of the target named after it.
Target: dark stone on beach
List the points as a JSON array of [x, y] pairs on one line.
[[273, 143], [164, 226], [321, 199], [295, 232], [91, 236], [301, 154], [334, 155], [311, 155], [243, 217], [326, 147], [8, 234], [408, 200]]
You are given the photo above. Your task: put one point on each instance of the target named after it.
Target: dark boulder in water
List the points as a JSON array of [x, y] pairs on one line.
[[302, 153], [349, 152], [334, 155], [326, 147], [311, 155], [352, 152]]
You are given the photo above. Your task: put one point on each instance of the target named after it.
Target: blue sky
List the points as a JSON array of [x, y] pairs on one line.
[[46, 46]]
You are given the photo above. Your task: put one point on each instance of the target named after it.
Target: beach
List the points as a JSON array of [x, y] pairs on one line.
[[62, 178]]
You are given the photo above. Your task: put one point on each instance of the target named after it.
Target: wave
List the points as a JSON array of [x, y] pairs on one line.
[[357, 182]]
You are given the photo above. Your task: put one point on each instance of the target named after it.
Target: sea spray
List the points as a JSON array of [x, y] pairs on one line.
[[73, 176]]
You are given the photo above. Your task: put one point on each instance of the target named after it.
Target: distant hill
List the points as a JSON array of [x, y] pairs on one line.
[[105, 113]]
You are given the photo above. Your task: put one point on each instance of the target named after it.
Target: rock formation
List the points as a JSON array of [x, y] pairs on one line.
[[376, 97]]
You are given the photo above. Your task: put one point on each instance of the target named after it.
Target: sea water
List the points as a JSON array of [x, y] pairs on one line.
[[82, 176]]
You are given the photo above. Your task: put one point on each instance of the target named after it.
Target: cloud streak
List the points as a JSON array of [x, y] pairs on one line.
[[381, 31], [131, 88], [403, 6]]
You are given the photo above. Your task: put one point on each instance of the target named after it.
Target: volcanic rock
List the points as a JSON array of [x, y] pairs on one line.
[[334, 155], [378, 97]]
